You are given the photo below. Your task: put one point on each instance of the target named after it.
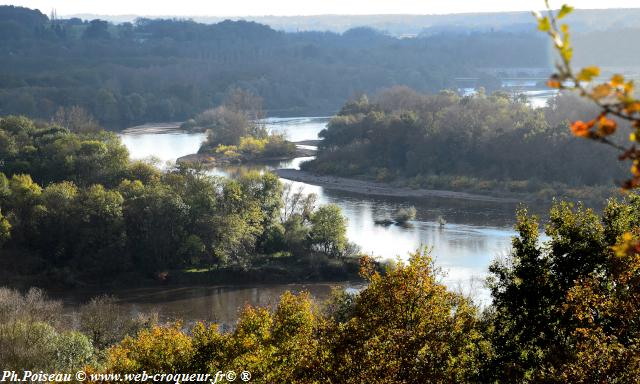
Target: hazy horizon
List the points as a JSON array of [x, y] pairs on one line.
[[283, 8]]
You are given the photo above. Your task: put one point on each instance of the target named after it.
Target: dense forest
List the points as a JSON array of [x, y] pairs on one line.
[[75, 209], [170, 70], [481, 142]]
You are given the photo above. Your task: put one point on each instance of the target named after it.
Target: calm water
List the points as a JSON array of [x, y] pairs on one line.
[[476, 232], [218, 304], [537, 98]]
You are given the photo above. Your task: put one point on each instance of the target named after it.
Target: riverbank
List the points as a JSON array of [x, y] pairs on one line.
[[22, 269], [381, 189]]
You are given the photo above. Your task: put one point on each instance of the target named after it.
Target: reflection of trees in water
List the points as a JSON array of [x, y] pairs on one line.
[[213, 304]]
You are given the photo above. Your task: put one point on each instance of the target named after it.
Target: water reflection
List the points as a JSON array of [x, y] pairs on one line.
[[475, 233], [165, 142], [219, 304]]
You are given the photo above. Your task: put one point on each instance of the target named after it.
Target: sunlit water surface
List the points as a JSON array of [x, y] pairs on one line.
[[475, 234]]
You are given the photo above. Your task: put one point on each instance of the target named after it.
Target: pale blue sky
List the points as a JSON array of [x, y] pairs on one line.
[[299, 7]]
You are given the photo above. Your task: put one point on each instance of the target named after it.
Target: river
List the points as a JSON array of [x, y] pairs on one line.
[[475, 234]]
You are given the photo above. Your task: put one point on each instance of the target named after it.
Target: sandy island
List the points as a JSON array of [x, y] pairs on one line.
[[380, 189]]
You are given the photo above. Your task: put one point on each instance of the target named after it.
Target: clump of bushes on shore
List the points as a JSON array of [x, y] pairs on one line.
[[273, 146]]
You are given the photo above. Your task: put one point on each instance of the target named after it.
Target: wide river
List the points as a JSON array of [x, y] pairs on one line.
[[475, 234]]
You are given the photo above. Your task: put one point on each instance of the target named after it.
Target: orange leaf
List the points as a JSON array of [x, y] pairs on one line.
[[552, 83], [606, 126], [601, 91], [617, 80], [582, 129], [632, 107]]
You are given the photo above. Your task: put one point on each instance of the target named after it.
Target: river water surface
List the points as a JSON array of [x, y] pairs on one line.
[[475, 233]]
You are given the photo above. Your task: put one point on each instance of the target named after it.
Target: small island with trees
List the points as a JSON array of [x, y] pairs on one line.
[[236, 134]]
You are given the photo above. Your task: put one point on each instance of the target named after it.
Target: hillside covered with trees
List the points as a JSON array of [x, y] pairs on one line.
[[170, 70]]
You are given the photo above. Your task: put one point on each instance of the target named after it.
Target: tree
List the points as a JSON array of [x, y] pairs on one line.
[[605, 313], [106, 106], [97, 30], [245, 102], [296, 202], [405, 327], [22, 202], [5, 229], [328, 230], [155, 222], [553, 301], [159, 349], [462, 143], [106, 324], [225, 126], [76, 119], [101, 237]]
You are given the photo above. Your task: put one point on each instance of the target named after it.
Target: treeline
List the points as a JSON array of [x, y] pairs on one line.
[[73, 208], [564, 310], [170, 70], [482, 142]]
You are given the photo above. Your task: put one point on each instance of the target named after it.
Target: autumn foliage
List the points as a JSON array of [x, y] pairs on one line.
[[405, 327], [614, 96]]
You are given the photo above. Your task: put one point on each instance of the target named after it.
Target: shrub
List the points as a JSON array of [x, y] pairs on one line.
[[278, 146], [106, 324], [38, 346], [30, 307], [252, 145], [159, 349], [405, 214]]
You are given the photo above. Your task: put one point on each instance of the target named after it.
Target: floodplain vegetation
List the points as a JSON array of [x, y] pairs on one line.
[[74, 210]]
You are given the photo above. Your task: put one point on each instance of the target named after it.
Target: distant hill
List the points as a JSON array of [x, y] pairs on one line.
[[411, 25], [170, 69]]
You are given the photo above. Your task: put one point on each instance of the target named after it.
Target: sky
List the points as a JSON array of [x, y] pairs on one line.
[[298, 7]]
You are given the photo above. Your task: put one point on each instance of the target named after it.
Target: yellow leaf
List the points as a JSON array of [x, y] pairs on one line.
[[544, 24], [564, 11], [617, 80], [588, 73], [567, 53]]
